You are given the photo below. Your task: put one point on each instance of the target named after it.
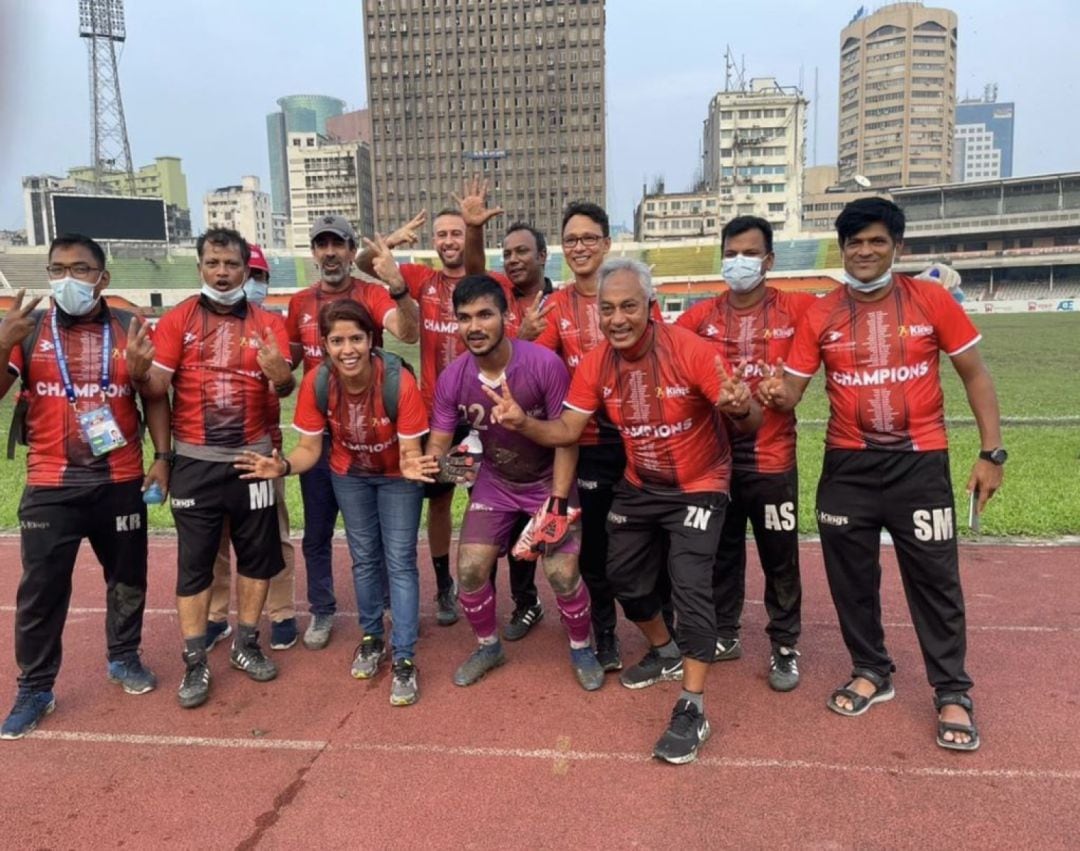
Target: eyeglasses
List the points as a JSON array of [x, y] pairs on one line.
[[590, 240], [77, 270]]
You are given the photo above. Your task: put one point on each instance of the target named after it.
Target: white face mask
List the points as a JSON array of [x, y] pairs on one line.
[[256, 291], [74, 297], [742, 273], [227, 298], [875, 284]]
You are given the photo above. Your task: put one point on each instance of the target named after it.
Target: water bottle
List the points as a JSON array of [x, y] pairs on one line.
[[153, 495], [475, 450]]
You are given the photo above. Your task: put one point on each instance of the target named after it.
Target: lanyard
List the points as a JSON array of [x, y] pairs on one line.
[[61, 359]]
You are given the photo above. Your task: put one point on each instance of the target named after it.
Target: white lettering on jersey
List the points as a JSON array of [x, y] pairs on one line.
[[884, 375]]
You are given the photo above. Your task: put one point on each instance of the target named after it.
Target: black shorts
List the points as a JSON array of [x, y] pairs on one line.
[[203, 494], [435, 489], [690, 523]]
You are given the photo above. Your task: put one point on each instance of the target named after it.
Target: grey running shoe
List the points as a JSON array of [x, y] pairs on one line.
[[369, 655], [653, 668], [404, 688], [250, 659], [485, 658], [608, 651], [727, 649], [784, 669], [587, 669], [131, 674], [523, 620], [195, 687], [446, 601], [686, 733], [317, 635]]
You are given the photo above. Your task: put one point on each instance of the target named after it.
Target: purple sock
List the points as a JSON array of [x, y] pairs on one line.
[[479, 608], [575, 609]]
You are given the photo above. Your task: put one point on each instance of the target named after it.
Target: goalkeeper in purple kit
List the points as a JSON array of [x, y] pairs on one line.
[[513, 477]]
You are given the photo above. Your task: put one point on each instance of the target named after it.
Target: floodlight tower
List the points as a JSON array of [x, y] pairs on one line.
[[101, 23]]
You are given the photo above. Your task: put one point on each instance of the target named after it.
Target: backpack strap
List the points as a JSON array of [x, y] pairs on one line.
[[322, 387], [391, 389], [17, 432]]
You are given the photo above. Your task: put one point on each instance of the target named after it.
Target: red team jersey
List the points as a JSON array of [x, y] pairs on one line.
[[572, 331], [219, 389], [58, 454], [881, 363], [302, 322], [364, 442], [763, 332], [664, 406], [440, 343]]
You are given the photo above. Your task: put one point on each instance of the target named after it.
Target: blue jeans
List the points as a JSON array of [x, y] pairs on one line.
[[382, 520], [320, 516]]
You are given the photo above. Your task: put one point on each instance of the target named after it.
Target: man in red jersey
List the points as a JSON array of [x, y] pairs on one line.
[[886, 460], [216, 351], [664, 390], [753, 324], [440, 344], [84, 472], [334, 244], [280, 597]]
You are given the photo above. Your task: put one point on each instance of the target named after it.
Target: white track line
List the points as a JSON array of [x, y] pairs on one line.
[[552, 755]]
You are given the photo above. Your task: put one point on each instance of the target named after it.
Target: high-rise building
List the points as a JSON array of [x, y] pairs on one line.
[[298, 114], [512, 91], [754, 151], [244, 208], [352, 126], [984, 139], [327, 178], [898, 96]]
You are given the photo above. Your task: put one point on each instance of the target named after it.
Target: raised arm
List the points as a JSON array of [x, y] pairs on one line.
[[565, 431], [407, 234], [404, 321], [476, 214]]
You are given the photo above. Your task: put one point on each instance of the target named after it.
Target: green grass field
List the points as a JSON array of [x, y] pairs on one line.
[[1035, 360]]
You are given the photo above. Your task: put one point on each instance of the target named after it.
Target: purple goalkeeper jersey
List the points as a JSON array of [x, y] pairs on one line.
[[538, 381]]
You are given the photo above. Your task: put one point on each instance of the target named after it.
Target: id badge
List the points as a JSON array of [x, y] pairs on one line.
[[100, 430]]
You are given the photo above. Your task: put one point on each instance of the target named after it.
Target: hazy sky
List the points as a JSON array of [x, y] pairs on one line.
[[199, 76]]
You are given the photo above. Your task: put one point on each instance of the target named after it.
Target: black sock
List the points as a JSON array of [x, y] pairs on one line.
[[246, 634], [195, 647], [442, 571]]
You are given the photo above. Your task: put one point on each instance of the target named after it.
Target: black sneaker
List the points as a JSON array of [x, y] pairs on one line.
[[523, 620], [607, 651], [686, 733], [250, 659], [446, 603], [653, 668], [727, 649], [784, 669], [195, 687], [216, 632]]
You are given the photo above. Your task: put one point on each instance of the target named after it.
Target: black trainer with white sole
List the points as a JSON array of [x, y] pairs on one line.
[[653, 668], [686, 732]]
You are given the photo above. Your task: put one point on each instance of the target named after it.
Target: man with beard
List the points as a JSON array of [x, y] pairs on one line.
[[754, 324], [665, 390], [524, 252], [334, 245], [440, 344], [516, 477]]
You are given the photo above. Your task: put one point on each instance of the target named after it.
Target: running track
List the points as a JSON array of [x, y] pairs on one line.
[[526, 759]]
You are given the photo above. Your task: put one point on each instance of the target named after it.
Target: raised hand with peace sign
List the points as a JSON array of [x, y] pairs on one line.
[[533, 321], [19, 321], [408, 233]]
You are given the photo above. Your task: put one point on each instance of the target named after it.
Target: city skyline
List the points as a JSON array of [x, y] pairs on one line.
[[204, 93]]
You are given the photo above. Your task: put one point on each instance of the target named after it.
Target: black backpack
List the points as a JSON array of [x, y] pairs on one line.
[[391, 388], [17, 432]]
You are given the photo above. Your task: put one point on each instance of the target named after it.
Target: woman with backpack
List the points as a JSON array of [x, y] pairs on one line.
[[369, 401]]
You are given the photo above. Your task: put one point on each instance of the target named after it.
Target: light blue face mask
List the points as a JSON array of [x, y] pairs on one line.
[[228, 299], [742, 273], [256, 291], [870, 286], [74, 297]]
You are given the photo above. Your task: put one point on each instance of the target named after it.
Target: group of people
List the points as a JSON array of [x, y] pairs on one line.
[[623, 454]]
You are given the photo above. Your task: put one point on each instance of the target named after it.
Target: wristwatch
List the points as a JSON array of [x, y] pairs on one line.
[[169, 456], [995, 456], [398, 296]]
